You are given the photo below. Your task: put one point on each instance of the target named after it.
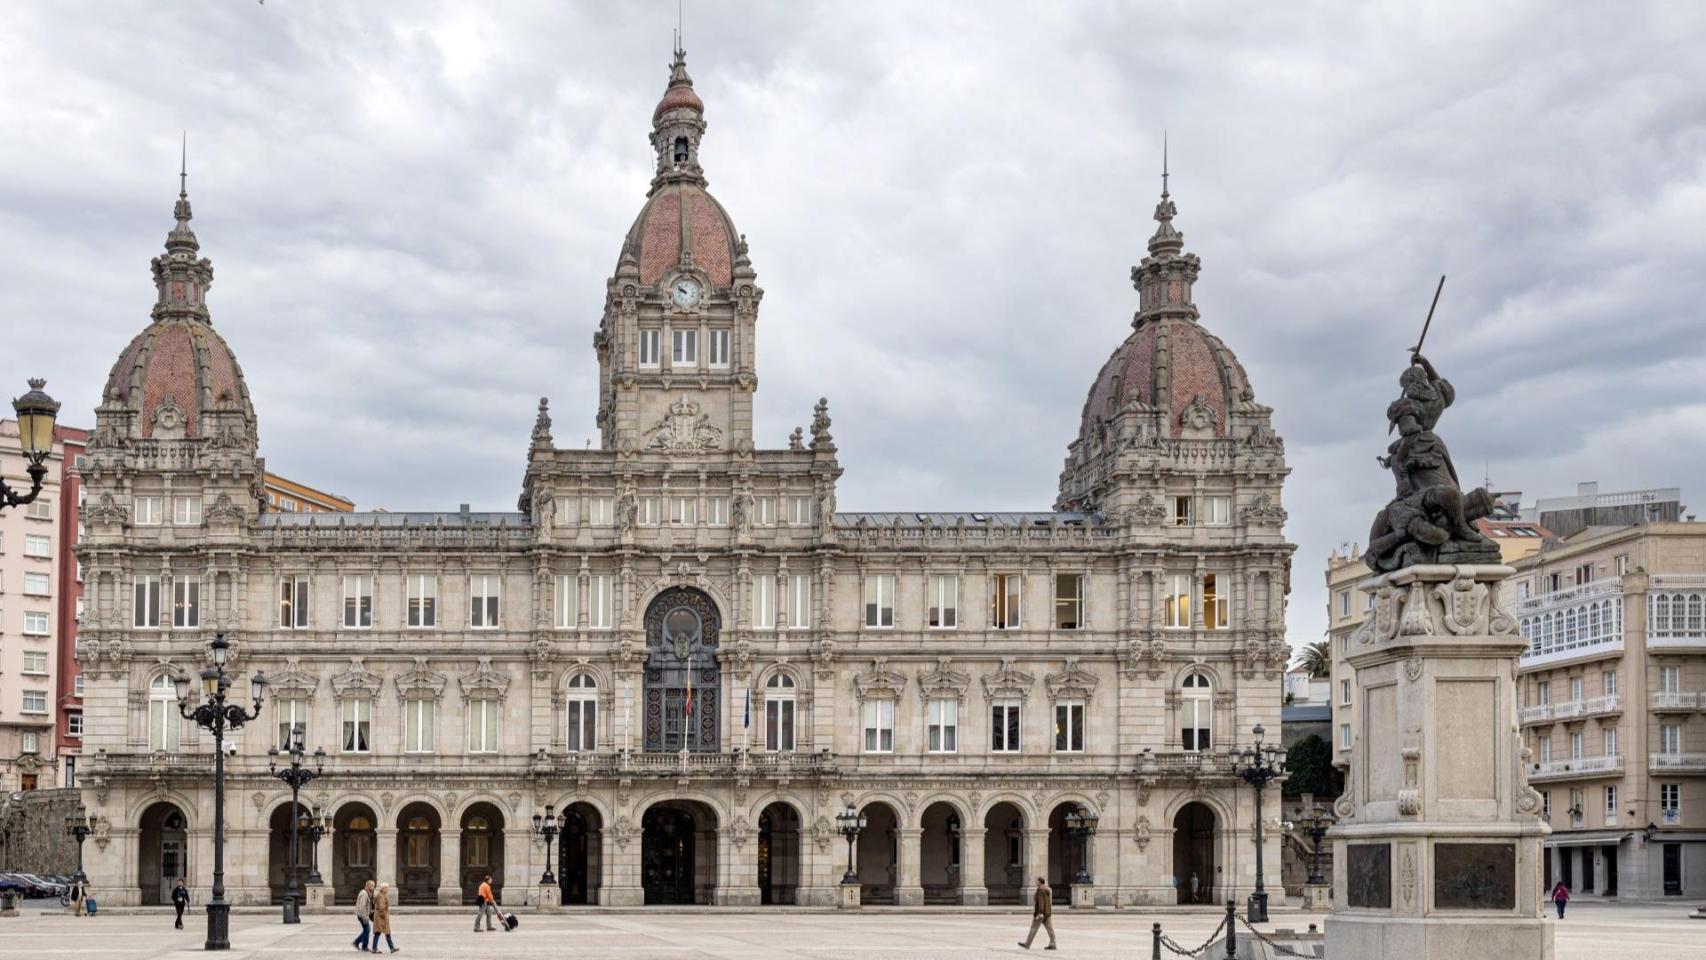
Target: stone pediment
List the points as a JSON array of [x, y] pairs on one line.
[[1009, 680], [293, 681], [420, 683], [1072, 681], [944, 682], [357, 681], [484, 681], [879, 680]]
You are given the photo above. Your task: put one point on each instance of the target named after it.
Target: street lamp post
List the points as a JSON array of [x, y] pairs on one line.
[[850, 822], [216, 716], [296, 776], [1315, 827], [1259, 765], [1081, 824], [36, 414], [78, 825], [314, 825], [547, 828]]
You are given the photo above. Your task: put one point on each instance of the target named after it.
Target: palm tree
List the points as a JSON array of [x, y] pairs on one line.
[[1318, 659]]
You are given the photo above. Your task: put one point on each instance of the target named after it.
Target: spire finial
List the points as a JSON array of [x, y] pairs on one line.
[[184, 166], [680, 33], [1163, 163]]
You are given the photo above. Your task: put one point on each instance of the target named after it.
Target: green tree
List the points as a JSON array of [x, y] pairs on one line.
[[1318, 658], [1309, 764]]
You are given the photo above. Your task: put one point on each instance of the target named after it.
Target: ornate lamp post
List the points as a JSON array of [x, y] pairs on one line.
[[296, 776], [78, 825], [850, 822], [547, 828], [1259, 765], [36, 414], [314, 824], [216, 716], [1315, 827], [1081, 824]]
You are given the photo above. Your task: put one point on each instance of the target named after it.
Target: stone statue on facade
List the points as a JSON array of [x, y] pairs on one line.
[[1430, 519]]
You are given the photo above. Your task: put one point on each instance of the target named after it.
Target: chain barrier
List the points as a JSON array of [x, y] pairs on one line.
[[1283, 951], [1173, 946]]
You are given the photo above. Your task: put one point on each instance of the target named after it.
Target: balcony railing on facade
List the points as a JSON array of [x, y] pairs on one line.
[[1576, 768], [1669, 763], [1674, 701], [1606, 705], [1676, 611]]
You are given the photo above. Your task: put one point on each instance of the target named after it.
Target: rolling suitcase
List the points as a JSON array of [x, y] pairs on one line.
[[510, 921]]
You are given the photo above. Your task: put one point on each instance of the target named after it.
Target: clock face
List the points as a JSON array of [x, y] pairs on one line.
[[686, 293]]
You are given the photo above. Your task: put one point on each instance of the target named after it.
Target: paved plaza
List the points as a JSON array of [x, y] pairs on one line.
[[1650, 931]]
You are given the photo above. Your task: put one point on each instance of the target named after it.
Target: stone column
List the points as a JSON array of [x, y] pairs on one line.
[[449, 867], [621, 862], [972, 891], [737, 870], [909, 887], [385, 856], [1439, 833], [1036, 858]]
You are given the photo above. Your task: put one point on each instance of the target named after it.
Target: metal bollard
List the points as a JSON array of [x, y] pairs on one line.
[[1231, 929], [1155, 950]]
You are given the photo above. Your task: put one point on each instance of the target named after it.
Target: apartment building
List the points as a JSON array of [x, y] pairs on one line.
[[1347, 607], [30, 545], [68, 605]]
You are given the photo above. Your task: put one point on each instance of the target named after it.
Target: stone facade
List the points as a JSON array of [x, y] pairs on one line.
[[678, 640]]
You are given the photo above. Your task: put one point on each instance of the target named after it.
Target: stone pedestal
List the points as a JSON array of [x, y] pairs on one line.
[[1083, 896], [548, 897], [314, 898], [1317, 897], [1437, 849], [847, 896]]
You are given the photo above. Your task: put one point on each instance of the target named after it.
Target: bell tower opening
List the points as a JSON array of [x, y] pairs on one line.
[[680, 149]]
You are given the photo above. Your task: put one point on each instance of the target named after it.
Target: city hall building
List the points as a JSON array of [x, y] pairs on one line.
[[677, 641]]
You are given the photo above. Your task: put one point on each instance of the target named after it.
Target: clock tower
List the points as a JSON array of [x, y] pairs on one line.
[[676, 345]]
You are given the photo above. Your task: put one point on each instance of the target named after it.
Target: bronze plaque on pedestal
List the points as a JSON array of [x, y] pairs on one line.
[[1475, 876], [1369, 875]]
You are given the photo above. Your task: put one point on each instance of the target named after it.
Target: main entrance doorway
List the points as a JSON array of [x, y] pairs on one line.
[[778, 854], [683, 678], [163, 853], [678, 853], [579, 859], [1193, 853]]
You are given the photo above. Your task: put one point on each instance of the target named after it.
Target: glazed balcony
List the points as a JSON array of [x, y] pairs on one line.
[[1676, 612], [1575, 768]]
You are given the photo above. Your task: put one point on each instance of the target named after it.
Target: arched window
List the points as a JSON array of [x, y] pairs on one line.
[[1196, 712], [680, 149], [779, 713], [164, 722], [583, 714]]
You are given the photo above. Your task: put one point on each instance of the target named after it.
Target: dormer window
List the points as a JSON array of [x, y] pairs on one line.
[[680, 149]]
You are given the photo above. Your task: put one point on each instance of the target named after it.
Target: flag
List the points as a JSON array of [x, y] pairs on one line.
[[687, 706], [746, 721]]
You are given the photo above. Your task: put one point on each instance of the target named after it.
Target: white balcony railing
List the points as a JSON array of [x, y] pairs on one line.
[[1576, 767], [1571, 709], [1677, 763], [1540, 713], [1675, 700]]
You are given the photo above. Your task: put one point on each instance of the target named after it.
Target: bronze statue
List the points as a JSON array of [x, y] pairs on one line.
[[1430, 520]]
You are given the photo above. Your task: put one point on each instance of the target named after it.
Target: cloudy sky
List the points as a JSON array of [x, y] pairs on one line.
[[412, 209]]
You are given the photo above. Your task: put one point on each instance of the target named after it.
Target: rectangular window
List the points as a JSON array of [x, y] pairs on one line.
[[799, 601], [1670, 802], [1575, 746], [164, 723], [1543, 692], [1610, 803], [73, 726], [684, 511], [719, 347], [145, 603], [779, 724], [1217, 511], [764, 511], [1344, 693], [35, 622], [358, 725], [1196, 721], [147, 511], [798, 511], [1584, 574], [942, 725], [358, 601], [1546, 749], [650, 511], [686, 347], [717, 511], [35, 661], [292, 717], [293, 603], [40, 509], [879, 726], [483, 599], [1177, 610], [1069, 726], [77, 686], [1575, 688], [1620, 564], [1069, 601], [1546, 805], [648, 348], [1670, 679], [1610, 737], [763, 602], [186, 511], [879, 600], [38, 546], [944, 601], [1608, 682], [1214, 603], [1182, 511], [1670, 738], [483, 726], [568, 592], [37, 584], [418, 725], [35, 701], [1522, 590], [600, 511], [600, 603], [563, 515], [31, 744], [1004, 726], [1344, 736], [186, 603], [1004, 590], [1344, 597], [423, 600], [583, 725]]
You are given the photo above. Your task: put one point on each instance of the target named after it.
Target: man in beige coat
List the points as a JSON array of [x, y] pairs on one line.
[[1042, 915], [364, 915]]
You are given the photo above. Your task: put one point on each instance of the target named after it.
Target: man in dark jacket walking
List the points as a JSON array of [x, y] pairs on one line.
[[180, 900], [1042, 915]]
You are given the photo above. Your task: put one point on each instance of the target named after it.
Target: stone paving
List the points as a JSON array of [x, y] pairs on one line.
[[1593, 931]]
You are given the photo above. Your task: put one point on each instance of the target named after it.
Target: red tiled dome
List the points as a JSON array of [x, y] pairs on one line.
[[678, 95], [177, 361], [656, 237], [1166, 364]]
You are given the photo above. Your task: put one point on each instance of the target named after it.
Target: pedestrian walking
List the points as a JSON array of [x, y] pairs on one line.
[[74, 898], [1042, 915], [1560, 896], [364, 915], [382, 918], [488, 907], [180, 900]]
